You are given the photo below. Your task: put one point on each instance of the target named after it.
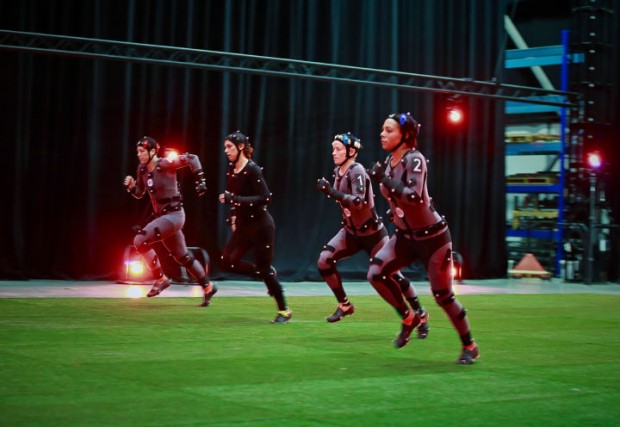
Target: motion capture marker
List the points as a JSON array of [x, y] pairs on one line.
[[268, 246]]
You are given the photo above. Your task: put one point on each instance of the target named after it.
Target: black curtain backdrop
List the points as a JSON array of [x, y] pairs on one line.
[[70, 125]]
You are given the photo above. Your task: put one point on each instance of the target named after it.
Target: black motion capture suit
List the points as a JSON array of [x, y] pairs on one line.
[[248, 196]]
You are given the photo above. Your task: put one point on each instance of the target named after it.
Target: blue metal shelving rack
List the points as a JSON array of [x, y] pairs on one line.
[[541, 56]]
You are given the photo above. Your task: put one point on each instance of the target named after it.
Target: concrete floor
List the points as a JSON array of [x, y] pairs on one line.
[[109, 289]]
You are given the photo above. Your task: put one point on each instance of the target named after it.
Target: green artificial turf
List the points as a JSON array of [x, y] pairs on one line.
[[546, 360]]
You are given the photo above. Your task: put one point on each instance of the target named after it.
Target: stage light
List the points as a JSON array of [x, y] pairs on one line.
[[595, 160], [134, 271], [136, 268], [455, 115], [170, 153]]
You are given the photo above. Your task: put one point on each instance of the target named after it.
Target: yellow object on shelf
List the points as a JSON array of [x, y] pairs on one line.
[[517, 215]]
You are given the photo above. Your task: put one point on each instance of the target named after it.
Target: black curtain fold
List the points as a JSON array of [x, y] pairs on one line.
[[71, 124]]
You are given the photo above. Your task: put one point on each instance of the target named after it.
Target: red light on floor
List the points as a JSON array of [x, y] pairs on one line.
[[135, 268]]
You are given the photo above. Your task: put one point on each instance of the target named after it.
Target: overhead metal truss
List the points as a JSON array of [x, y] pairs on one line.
[[277, 67]]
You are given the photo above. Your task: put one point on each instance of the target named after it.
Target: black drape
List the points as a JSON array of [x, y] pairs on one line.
[[70, 125]]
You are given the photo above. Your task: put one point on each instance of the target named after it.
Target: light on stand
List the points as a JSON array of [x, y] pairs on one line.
[[133, 271]]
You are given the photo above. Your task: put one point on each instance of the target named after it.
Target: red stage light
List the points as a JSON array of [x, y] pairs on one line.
[[171, 153], [455, 115], [594, 160], [135, 268]]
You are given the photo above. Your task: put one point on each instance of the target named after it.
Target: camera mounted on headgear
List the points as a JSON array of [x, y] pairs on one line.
[[409, 127]]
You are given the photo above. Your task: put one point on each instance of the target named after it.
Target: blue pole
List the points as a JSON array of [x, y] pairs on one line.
[[563, 143]]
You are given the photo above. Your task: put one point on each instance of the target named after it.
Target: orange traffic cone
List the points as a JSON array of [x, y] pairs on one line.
[[529, 267]]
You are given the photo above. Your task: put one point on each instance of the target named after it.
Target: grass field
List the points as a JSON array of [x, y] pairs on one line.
[[546, 360]]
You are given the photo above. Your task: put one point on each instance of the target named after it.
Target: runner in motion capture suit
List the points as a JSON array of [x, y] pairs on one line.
[[421, 233], [362, 229], [158, 176], [252, 225]]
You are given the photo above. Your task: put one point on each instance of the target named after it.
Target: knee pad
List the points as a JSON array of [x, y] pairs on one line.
[[374, 271], [326, 262], [444, 297], [186, 260]]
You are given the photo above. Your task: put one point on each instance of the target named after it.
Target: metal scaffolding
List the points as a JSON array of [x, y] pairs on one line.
[[277, 67]]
